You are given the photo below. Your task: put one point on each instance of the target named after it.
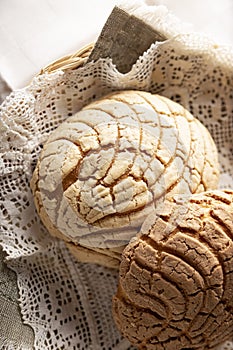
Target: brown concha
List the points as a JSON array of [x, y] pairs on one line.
[[176, 279]]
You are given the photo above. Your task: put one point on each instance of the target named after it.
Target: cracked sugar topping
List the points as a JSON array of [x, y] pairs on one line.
[[103, 170], [175, 287]]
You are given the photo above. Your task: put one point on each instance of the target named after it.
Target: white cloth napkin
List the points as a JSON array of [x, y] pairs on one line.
[[34, 33], [211, 17]]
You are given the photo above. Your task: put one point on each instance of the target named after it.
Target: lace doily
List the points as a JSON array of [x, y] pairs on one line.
[[67, 303]]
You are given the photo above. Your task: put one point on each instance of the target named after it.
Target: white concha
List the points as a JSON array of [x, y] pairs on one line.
[[103, 170]]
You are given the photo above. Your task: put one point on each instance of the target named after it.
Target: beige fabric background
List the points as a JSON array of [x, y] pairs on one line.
[[13, 333], [12, 330]]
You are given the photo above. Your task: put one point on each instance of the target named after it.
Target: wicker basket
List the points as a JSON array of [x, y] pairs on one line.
[[72, 61]]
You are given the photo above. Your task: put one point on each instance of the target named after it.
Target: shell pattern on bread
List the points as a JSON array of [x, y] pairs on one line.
[[176, 278], [104, 169]]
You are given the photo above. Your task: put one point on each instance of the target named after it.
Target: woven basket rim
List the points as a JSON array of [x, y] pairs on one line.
[[71, 61]]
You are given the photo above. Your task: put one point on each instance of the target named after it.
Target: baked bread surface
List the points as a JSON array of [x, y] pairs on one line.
[[105, 169]]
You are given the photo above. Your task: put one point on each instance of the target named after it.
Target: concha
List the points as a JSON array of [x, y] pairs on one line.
[[106, 168], [176, 278]]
